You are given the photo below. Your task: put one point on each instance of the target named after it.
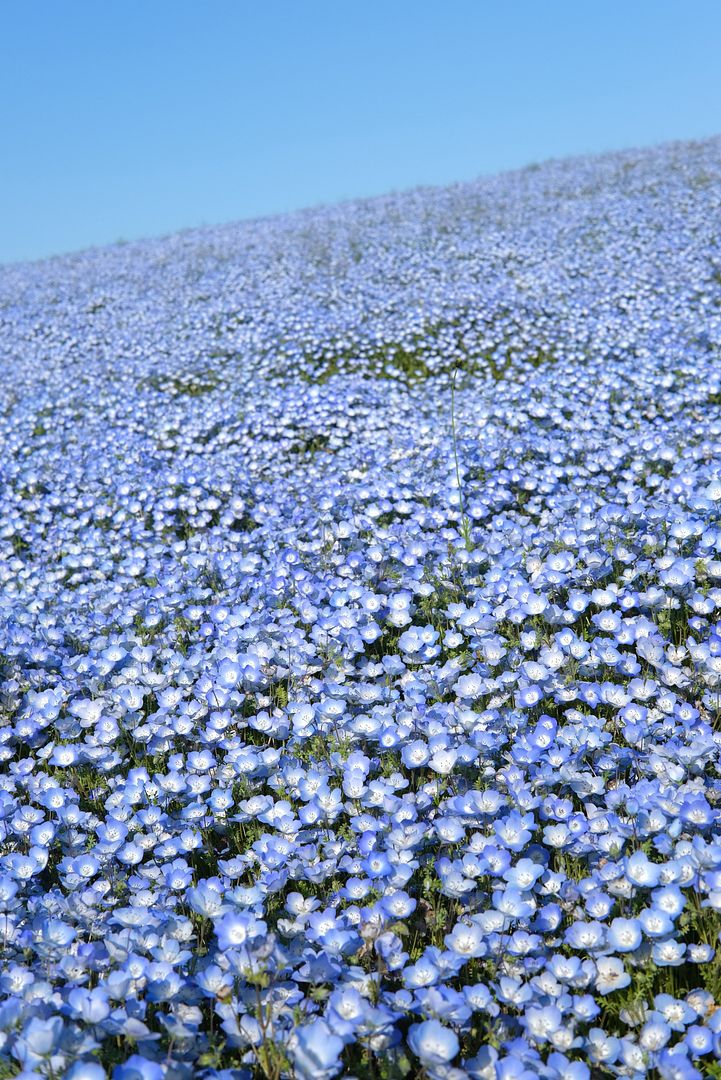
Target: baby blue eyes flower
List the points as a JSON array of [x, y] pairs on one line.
[[699, 1040], [214, 982], [138, 1067], [669, 953], [641, 871], [443, 761], [130, 854], [56, 934], [229, 674], [524, 874], [529, 696], [38, 1040], [86, 1070], [624, 935], [399, 610], [514, 832], [669, 899], [377, 865], [316, 1052], [467, 940], [677, 1013], [423, 973], [513, 903], [603, 1049], [234, 930], [469, 687], [541, 1023], [91, 1005], [696, 810], [419, 642], [415, 754], [611, 975], [178, 876], [432, 1043]]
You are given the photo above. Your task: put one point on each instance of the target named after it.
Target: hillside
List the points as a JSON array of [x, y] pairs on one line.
[[360, 653]]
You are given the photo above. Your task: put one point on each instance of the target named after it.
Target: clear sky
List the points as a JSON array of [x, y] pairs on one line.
[[128, 118]]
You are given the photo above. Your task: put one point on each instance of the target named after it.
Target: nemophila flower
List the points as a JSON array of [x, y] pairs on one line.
[[598, 904], [469, 687], [238, 928], [547, 918], [399, 609], [585, 1007], [529, 696], [138, 1067], [699, 1040], [602, 1048], [624, 935], [432, 1043], [676, 1013], [425, 972], [346, 1011], [512, 991], [669, 899], [514, 831], [86, 1070], [38, 1040], [541, 1023], [389, 947], [565, 1069], [398, 905], [697, 811], [524, 874], [700, 953], [415, 754], [214, 982], [669, 953], [480, 999], [611, 975], [655, 923], [316, 1051], [654, 1035], [442, 761], [513, 903], [91, 1005], [585, 935], [641, 871], [466, 939]]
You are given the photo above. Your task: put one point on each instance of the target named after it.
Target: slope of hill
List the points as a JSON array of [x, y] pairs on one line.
[[360, 652]]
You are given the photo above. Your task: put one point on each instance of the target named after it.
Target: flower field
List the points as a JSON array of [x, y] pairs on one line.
[[360, 639]]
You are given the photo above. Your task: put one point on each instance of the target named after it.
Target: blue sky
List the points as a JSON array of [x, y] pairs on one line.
[[137, 118]]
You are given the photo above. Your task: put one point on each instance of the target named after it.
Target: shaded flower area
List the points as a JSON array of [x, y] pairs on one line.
[[360, 639]]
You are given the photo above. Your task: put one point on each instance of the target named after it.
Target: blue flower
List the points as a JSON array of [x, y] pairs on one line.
[[86, 1070], [138, 1067], [38, 1040], [432, 1043], [91, 1005], [467, 939], [624, 935], [699, 1040], [611, 975], [316, 1051], [640, 871]]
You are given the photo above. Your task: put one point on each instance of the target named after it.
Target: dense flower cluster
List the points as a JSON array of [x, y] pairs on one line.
[[360, 639]]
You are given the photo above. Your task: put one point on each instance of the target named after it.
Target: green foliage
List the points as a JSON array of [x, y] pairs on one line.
[[19, 544]]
